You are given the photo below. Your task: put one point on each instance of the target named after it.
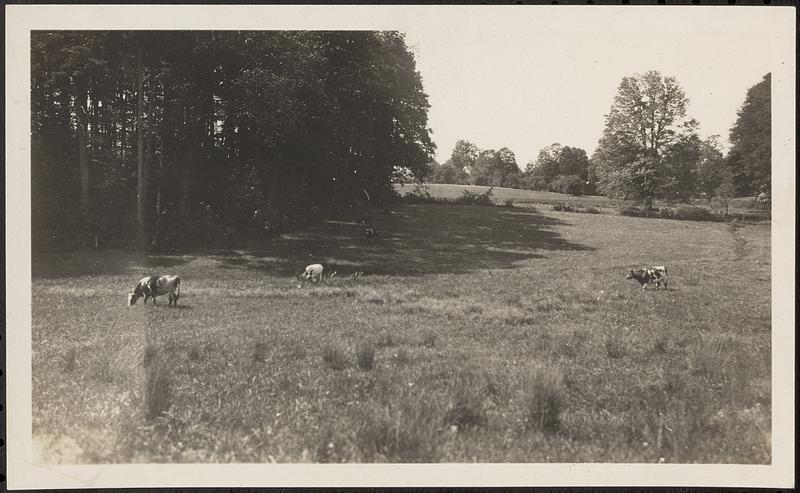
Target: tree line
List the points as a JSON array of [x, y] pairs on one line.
[[649, 150], [166, 137]]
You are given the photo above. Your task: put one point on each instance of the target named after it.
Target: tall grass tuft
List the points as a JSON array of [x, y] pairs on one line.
[[335, 357], [69, 359], [468, 403], [615, 347], [193, 354], [157, 382], [661, 344], [259, 352], [386, 339], [544, 399], [405, 429], [429, 339], [401, 356], [365, 356], [711, 357]]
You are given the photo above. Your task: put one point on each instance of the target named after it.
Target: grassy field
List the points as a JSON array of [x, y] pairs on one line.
[[462, 334]]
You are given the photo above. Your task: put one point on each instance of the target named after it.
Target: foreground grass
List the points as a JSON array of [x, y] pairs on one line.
[[474, 334]]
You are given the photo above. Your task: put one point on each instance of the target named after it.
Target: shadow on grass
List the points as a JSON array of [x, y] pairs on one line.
[[413, 240], [106, 262]]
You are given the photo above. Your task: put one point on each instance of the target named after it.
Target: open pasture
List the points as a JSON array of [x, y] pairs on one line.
[[460, 334]]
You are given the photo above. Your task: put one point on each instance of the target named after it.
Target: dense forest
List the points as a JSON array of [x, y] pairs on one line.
[[159, 139]]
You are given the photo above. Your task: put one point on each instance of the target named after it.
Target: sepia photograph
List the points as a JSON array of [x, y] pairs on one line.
[[281, 237]]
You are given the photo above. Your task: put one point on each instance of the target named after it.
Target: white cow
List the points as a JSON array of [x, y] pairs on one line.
[[313, 273], [152, 286]]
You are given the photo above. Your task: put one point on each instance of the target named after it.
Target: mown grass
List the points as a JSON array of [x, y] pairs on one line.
[[474, 334]]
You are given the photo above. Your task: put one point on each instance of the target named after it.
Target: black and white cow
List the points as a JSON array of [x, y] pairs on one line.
[[152, 286], [649, 275], [370, 234]]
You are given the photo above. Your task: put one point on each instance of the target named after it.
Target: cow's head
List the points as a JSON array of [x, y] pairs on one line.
[[133, 298]]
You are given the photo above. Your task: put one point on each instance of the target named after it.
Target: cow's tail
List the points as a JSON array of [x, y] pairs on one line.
[[177, 287]]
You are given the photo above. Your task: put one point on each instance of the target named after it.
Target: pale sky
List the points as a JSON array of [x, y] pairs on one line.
[[525, 79]]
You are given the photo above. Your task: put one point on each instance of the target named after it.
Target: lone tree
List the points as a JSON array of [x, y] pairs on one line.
[[750, 157], [647, 118]]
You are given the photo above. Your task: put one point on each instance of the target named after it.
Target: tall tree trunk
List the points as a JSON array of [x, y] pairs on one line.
[[140, 175], [189, 153], [81, 97]]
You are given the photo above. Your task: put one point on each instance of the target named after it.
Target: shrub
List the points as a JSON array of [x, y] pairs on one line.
[[565, 207], [365, 357], [157, 382], [630, 210], [571, 184], [335, 357], [666, 213], [694, 213], [544, 399], [508, 203], [419, 195], [590, 209], [474, 198]]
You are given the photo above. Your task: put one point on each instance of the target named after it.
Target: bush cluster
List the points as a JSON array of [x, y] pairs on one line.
[[686, 213], [565, 207], [474, 198], [569, 184], [421, 195]]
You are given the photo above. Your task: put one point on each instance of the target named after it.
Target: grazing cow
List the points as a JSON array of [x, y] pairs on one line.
[[312, 273], [370, 234], [152, 286], [649, 275]]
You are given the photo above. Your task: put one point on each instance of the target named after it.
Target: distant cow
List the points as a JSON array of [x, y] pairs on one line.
[[152, 286], [370, 234], [649, 275], [312, 273]]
